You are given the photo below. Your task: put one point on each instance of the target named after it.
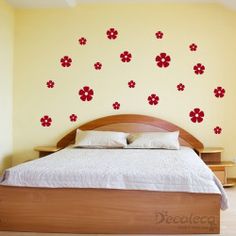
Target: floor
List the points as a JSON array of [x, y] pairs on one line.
[[228, 221]]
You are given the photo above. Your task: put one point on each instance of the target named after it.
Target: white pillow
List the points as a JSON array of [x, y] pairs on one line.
[[100, 139], [166, 140]]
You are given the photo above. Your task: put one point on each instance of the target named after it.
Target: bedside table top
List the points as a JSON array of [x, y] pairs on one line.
[[47, 148], [223, 164], [210, 149]]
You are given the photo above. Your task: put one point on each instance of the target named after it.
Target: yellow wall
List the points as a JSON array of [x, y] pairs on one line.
[[44, 36], [6, 79]]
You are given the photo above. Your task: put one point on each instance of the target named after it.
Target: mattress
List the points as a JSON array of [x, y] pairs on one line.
[[132, 169]]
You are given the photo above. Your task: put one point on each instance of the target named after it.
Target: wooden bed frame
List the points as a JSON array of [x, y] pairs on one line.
[[111, 211]]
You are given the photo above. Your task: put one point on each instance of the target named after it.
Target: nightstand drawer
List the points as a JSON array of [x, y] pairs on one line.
[[210, 155], [43, 153], [209, 158]]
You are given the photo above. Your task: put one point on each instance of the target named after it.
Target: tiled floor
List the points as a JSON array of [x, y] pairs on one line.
[[228, 221]]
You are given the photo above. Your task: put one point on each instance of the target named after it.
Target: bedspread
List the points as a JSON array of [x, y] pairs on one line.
[[134, 169]]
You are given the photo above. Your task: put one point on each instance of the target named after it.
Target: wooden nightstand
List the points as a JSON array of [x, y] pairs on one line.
[[210, 155], [46, 150], [220, 170]]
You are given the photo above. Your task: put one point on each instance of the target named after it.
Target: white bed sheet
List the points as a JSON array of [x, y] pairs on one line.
[[134, 169]]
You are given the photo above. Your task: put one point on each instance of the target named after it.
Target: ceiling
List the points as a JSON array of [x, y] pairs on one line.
[[73, 3]]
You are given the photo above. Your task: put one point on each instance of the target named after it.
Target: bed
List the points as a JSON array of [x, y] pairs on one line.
[[111, 207]]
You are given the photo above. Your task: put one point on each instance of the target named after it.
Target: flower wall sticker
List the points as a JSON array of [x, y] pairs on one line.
[[131, 84], [163, 60], [159, 35], [50, 84], [193, 47], [98, 66], [196, 115], [73, 118], [219, 92], [86, 93], [66, 61], [116, 105], [180, 87], [217, 130], [46, 121], [112, 33], [126, 56], [199, 68], [82, 41], [153, 99]]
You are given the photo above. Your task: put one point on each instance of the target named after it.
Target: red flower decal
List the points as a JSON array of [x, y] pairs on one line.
[[196, 115], [180, 87], [217, 130], [46, 121], [82, 41], [153, 99], [66, 61], [50, 84], [193, 47], [219, 92], [131, 84], [73, 117], [98, 66], [116, 106], [199, 68], [125, 56], [86, 94], [112, 33], [163, 60], [159, 35]]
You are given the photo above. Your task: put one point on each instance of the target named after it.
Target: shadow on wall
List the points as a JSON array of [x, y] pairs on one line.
[[5, 163], [24, 156]]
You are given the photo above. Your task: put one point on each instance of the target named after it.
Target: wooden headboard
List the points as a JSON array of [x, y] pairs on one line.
[[132, 123]]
